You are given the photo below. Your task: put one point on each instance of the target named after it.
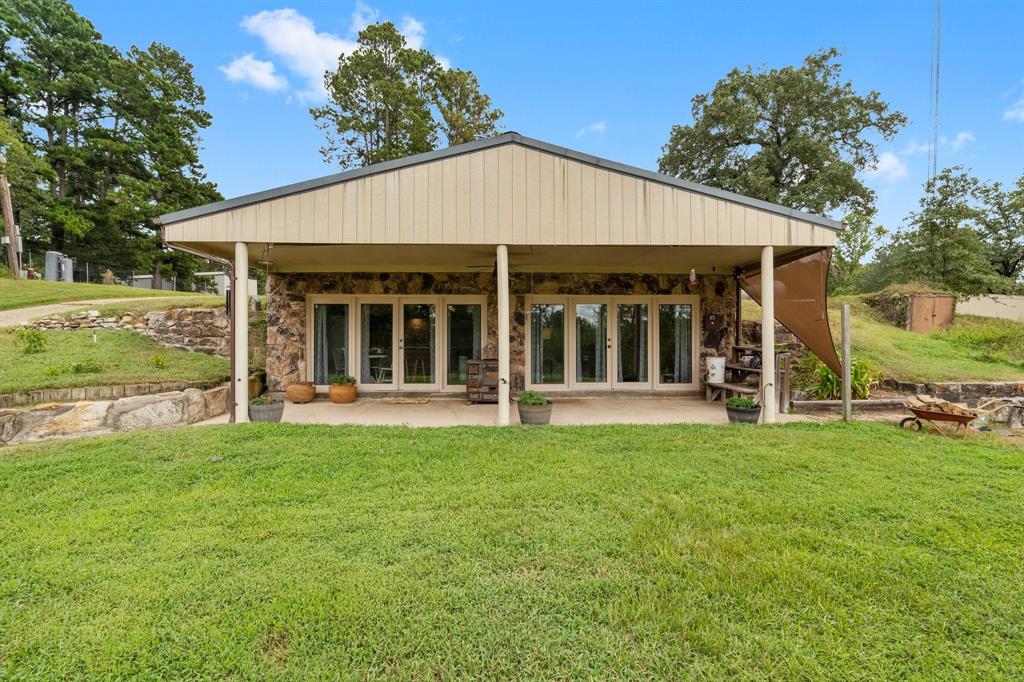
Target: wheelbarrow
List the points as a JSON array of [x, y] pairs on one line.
[[929, 410]]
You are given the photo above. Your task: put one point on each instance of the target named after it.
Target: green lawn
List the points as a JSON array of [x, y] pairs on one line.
[[657, 552], [22, 293], [71, 359], [144, 306]]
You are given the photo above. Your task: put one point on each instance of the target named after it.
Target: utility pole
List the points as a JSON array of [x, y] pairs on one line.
[[8, 211]]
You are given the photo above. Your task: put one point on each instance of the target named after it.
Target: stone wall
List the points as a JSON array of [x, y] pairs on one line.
[[59, 395], [970, 393], [204, 330], [286, 306], [66, 420]]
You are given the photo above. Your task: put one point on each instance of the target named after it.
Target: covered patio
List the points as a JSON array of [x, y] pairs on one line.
[[570, 410], [574, 274]]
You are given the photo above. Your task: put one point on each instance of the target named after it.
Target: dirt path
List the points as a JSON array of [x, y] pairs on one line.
[[12, 318]]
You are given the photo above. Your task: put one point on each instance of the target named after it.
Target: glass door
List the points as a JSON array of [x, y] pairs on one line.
[[463, 340], [377, 350], [547, 345], [677, 331], [591, 344], [417, 344], [631, 356], [330, 341]]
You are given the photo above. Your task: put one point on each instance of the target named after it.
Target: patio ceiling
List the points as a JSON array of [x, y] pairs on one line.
[[473, 258]]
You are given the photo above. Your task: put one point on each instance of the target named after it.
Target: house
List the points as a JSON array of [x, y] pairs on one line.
[[575, 272]]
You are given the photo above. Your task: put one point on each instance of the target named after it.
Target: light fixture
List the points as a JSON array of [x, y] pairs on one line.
[[693, 278]]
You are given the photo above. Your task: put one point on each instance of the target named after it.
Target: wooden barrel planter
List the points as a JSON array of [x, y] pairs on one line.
[[266, 412], [535, 414]]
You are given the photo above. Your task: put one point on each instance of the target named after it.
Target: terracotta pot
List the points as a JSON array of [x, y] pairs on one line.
[[342, 393], [301, 391]]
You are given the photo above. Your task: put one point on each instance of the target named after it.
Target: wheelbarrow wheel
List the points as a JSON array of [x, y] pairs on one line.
[[911, 424]]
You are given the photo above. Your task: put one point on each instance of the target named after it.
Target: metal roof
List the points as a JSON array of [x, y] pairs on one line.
[[476, 145]]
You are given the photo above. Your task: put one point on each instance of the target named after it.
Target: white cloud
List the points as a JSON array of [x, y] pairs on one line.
[[959, 141], [597, 128], [294, 39], [255, 72], [890, 168], [362, 16], [1015, 112], [307, 53], [914, 147]]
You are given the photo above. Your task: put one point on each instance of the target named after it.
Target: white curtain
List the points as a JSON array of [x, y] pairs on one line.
[[682, 353], [365, 375]]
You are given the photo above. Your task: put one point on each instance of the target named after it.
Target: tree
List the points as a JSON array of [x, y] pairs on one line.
[[383, 100], [1001, 223], [796, 136], [854, 242], [466, 114], [942, 246]]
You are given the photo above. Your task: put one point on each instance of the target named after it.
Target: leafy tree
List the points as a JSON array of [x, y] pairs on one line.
[[853, 244], [796, 136], [383, 99], [465, 113], [1001, 223], [942, 247]]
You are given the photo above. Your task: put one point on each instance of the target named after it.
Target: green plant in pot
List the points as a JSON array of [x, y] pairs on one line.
[[266, 409], [742, 410], [534, 408], [343, 388]]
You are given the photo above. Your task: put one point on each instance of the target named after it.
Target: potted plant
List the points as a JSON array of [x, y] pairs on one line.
[[534, 408], [742, 410], [266, 409], [343, 388], [301, 391]]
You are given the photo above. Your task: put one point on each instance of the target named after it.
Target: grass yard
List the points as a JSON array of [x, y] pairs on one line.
[[72, 360], [658, 552], [22, 293], [144, 306], [974, 349]]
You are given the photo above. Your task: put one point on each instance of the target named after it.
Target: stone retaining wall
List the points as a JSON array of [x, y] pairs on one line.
[[61, 395], [971, 393], [66, 420], [204, 330]]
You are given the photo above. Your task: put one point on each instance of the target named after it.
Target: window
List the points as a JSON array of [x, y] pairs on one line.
[[330, 340]]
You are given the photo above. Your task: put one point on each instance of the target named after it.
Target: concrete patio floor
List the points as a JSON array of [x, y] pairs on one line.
[[454, 411]]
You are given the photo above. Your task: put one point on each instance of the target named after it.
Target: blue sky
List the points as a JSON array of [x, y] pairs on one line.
[[609, 79]]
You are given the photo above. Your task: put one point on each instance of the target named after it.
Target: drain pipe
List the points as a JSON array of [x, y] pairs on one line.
[[227, 302]]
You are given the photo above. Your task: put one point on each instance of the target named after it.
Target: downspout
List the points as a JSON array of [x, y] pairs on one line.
[[231, 318]]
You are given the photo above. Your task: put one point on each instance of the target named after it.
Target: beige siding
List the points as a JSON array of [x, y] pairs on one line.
[[510, 194]]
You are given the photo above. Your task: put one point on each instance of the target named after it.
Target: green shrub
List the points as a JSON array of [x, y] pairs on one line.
[[741, 403], [265, 400], [825, 384], [531, 397], [33, 341], [159, 361], [86, 367], [339, 378]]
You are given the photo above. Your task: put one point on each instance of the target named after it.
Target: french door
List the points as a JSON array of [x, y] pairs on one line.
[[619, 342], [389, 343]]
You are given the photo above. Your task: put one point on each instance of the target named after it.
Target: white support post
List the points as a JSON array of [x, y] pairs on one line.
[[504, 354], [847, 387], [240, 313], [769, 391]]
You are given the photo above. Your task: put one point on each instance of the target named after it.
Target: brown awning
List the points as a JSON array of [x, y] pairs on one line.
[[801, 302]]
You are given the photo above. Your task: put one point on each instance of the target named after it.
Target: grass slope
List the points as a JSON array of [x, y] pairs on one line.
[[118, 357], [659, 552], [974, 349], [21, 293]]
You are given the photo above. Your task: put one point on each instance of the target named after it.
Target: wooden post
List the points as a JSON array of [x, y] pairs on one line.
[[769, 390], [8, 214], [847, 388], [504, 352]]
